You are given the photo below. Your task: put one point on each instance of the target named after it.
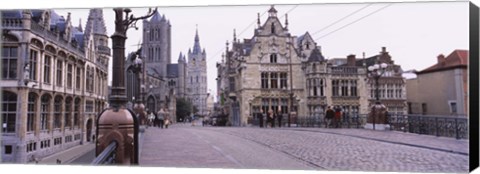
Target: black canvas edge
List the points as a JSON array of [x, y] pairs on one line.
[[473, 86]]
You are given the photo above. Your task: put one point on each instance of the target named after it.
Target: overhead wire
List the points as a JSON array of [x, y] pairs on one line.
[[342, 27]]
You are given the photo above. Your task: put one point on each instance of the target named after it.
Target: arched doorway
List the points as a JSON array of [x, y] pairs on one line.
[[151, 104], [89, 130]]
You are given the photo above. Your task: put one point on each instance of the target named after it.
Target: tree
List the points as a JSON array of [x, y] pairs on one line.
[[184, 109]]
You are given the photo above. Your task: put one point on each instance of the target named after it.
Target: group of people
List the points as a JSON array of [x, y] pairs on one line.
[[159, 119], [270, 118], [333, 117]]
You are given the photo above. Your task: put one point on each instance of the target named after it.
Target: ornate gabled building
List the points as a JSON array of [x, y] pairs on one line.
[[196, 81], [54, 82], [262, 73], [277, 71]]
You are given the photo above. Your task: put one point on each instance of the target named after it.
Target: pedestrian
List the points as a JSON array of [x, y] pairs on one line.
[[329, 114], [279, 117], [161, 117], [272, 116], [151, 118], [260, 117], [338, 117]]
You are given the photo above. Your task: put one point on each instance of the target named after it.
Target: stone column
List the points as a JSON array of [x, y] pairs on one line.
[[21, 125]]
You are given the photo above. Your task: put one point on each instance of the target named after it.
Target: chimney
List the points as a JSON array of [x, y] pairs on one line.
[[384, 49], [351, 60], [440, 58]]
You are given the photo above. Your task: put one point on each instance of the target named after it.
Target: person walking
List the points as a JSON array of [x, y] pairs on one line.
[[329, 114], [279, 117], [161, 117], [151, 119], [338, 117], [260, 117]]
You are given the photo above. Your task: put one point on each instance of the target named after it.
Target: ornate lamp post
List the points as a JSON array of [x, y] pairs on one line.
[[376, 71], [136, 68], [117, 124]]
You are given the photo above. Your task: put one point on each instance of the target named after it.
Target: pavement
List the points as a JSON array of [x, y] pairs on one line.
[[68, 155]]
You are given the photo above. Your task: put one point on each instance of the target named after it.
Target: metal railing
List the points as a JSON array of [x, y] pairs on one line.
[[440, 126], [107, 156]]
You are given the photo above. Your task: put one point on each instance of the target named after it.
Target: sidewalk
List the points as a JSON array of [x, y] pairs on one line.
[[68, 155]]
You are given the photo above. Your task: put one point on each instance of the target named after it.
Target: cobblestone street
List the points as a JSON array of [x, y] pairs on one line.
[[306, 149]]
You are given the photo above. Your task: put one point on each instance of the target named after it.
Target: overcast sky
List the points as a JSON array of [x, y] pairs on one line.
[[414, 33]]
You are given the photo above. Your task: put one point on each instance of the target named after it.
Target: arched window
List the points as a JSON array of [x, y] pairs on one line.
[[57, 112], [9, 111], [151, 104], [31, 111], [45, 112]]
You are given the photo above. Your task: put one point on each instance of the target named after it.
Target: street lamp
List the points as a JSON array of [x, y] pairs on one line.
[[376, 71], [136, 68]]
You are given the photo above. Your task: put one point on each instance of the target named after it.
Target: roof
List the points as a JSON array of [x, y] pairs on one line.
[[455, 59], [12, 14], [315, 56], [156, 17], [172, 70]]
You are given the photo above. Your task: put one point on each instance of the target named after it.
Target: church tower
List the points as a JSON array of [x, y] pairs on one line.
[[197, 76], [156, 44]]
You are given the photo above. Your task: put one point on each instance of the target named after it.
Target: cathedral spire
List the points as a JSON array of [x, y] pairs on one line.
[[80, 28], [196, 46], [234, 35]]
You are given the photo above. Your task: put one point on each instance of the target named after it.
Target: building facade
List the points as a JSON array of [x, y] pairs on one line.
[[447, 86], [54, 82], [274, 70]]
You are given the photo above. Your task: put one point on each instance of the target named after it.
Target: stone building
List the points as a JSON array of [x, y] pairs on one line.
[[447, 86], [274, 70], [196, 81], [158, 78], [54, 82]]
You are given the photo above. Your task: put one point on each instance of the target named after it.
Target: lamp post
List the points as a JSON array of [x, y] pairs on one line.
[[291, 82], [137, 68], [376, 71]]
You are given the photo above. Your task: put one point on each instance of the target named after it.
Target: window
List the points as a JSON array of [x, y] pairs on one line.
[[273, 28], [335, 87], [8, 149], [59, 72], [33, 64], [283, 80], [424, 108], [274, 80], [275, 105], [44, 115], [9, 108], [89, 106], [32, 99], [69, 75], [231, 81], [9, 62], [265, 102], [322, 93], [308, 45], [57, 107], [46, 70], [79, 77], [273, 58], [344, 87], [284, 105], [453, 107], [315, 81], [353, 88], [76, 113], [264, 77], [68, 114]]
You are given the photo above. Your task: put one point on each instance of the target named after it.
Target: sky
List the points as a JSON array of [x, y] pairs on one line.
[[413, 33]]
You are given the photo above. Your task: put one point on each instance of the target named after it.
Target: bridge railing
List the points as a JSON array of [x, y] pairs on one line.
[[441, 126], [107, 156]]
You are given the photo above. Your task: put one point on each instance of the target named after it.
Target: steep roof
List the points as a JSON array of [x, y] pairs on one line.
[[455, 59], [156, 17], [316, 56]]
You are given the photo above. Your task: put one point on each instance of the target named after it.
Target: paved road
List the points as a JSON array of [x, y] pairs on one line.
[[254, 148]]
